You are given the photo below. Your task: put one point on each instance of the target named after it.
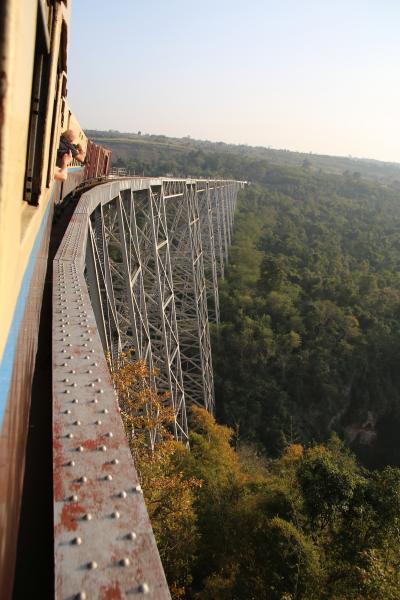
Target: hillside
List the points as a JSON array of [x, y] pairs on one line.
[[185, 156]]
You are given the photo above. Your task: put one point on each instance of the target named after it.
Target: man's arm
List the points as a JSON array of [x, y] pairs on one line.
[[61, 173]]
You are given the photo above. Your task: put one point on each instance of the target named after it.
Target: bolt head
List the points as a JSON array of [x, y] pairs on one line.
[[125, 562], [144, 588], [131, 535], [77, 541]]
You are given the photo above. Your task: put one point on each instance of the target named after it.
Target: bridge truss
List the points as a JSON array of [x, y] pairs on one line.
[[138, 268], [152, 264]]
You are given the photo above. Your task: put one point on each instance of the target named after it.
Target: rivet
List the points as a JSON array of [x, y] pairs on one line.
[[77, 541], [71, 463], [115, 515], [66, 380], [67, 412], [95, 364], [73, 498], [72, 371], [90, 371], [75, 401], [81, 596], [103, 448], [131, 535], [100, 391], [108, 477], [105, 411], [91, 384], [70, 436], [115, 461], [98, 379], [144, 588], [98, 423], [82, 479], [87, 517], [79, 449], [109, 434], [74, 384], [92, 565], [124, 562], [66, 392], [138, 488], [122, 494], [95, 401], [77, 423]]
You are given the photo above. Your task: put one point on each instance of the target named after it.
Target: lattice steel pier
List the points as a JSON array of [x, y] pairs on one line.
[[154, 253]]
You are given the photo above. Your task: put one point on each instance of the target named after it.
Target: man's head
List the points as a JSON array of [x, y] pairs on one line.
[[69, 135]]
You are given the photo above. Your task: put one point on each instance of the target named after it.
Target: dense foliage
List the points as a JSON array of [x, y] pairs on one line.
[[272, 505], [308, 525], [310, 339]]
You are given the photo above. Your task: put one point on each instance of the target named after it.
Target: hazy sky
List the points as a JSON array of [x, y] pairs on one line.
[[309, 75]]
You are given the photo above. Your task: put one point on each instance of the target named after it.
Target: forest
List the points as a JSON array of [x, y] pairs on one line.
[[310, 336], [293, 492]]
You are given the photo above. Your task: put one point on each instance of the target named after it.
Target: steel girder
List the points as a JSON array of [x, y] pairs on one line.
[[153, 256]]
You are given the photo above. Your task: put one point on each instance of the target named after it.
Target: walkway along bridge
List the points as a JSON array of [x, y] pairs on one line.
[[137, 268]]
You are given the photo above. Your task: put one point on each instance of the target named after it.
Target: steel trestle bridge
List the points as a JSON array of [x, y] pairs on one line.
[[137, 269]]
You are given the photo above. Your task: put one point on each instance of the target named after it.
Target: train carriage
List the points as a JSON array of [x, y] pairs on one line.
[[33, 113]]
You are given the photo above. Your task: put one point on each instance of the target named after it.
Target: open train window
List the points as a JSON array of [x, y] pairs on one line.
[[40, 92], [60, 93]]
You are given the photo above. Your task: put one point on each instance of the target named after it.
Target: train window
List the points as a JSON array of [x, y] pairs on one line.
[[60, 94], [40, 91]]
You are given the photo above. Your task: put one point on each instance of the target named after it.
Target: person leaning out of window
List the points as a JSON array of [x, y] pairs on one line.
[[67, 145]]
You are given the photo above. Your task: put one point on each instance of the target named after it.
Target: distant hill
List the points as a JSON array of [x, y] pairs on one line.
[[171, 155]]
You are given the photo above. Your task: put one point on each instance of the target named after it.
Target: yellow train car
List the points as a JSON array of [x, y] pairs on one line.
[[33, 113]]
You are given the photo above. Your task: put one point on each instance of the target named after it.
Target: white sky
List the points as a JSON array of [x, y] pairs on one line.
[[307, 75]]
